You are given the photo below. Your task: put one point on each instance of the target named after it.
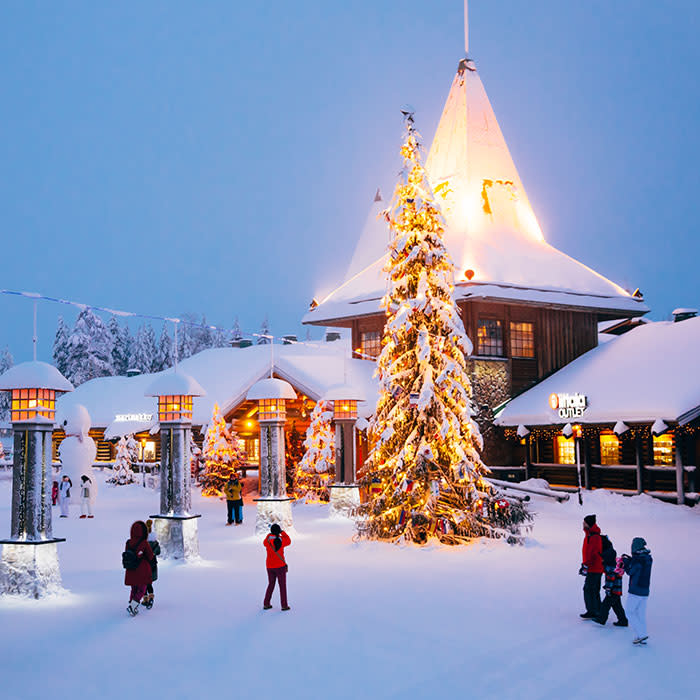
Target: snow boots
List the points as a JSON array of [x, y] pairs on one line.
[[148, 601], [133, 608]]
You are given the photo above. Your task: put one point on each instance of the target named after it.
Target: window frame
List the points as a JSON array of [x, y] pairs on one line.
[[500, 324]]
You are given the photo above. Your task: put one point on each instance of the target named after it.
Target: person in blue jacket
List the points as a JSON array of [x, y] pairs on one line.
[[638, 568]]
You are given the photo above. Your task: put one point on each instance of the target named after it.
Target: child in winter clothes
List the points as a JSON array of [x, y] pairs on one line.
[[277, 568], [638, 568], [86, 497], [54, 493], [149, 598], [612, 566], [141, 576], [64, 495]]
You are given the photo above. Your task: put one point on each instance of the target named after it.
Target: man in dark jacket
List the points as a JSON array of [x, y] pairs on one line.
[[591, 567]]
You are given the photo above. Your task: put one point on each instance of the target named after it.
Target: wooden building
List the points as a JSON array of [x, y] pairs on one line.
[[625, 416]]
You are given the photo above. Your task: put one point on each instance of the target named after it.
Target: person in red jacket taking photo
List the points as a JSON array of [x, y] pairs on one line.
[[277, 567], [591, 567]]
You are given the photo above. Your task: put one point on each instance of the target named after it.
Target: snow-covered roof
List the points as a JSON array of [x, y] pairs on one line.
[[226, 374], [491, 231], [174, 383], [343, 392], [34, 375], [644, 375]]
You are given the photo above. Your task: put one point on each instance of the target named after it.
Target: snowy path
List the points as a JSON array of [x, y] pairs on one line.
[[367, 620]]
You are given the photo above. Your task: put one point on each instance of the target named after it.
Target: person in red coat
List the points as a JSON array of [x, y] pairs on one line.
[[277, 568], [591, 567], [140, 577]]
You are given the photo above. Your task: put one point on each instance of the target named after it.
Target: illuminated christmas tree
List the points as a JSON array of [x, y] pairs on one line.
[[424, 475], [222, 455], [316, 469], [127, 454], [294, 451]]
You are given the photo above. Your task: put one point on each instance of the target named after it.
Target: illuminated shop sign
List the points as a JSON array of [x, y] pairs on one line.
[[568, 405], [135, 417]]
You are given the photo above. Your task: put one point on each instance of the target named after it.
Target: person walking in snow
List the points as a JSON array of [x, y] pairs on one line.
[[64, 495], [86, 497], [276, 565], [591, 567], [638, 568], [54, 493], [233, 490], [137, 560], [613, 567], [149, 598]]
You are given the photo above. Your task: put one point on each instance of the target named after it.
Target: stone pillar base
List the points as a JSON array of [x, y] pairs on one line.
[[177, 536], [345, 499], [30, 569], [273, 510]]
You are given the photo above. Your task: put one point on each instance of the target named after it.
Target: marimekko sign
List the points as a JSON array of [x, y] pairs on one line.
[[568, 405]]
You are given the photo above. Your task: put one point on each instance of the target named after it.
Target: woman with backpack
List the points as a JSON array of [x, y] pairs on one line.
[[277, 567], [136, 559]]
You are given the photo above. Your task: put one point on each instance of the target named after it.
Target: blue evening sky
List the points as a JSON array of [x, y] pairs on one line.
[[220, 157]]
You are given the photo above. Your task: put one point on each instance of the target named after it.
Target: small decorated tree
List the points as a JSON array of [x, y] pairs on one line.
[[294, 451], [315, 471], [196, 460], [222, 455], [122, 472], [424, 475]]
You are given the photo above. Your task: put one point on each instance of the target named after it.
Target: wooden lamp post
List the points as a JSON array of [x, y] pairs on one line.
[[273, 505], [29, 564], [345, 494], [175, 525]]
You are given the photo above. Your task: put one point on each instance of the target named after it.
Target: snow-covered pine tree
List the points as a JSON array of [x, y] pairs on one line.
[[222, 455], [236, 334], [424, 474], [60, 347], [145, 353], [264, 331], [122, 472], [317, 467], [121, 346], [6, 361], [186, 343], [89, 349], [165, 350]]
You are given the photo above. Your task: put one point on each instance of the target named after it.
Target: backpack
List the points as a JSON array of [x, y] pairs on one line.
[[130, 560]]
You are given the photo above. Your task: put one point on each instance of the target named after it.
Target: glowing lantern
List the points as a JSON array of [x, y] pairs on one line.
[[271, 395], [175, 391]]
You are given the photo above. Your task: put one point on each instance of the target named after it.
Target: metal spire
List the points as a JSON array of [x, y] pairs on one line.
[[466, 27]]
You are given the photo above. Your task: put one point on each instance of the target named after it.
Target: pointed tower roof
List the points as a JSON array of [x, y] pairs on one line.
[[491, 231]]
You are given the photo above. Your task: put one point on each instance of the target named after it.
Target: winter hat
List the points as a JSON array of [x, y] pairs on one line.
[[275, 529], [638, 543], [589, 520]]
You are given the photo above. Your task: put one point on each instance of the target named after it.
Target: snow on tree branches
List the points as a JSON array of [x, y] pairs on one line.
[[424, 475], [315, 471], [127, 454], [222, 455]]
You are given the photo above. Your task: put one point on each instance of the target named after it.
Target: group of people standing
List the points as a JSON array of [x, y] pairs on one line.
[[598, 559], [61, 492], [140, 556]]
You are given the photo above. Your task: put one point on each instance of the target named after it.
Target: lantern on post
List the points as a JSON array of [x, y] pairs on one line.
[[345, 494], [273, 505], [29, 564], [175, 525]]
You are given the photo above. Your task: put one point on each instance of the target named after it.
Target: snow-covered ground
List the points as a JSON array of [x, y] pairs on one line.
[[367, 620]]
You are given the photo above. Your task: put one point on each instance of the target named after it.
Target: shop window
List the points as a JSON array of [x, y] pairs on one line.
[[148, 451], [609, 448], [663, 450], [371, 344], [566, 450], [489, 336], [251, 448], [522, 339]]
